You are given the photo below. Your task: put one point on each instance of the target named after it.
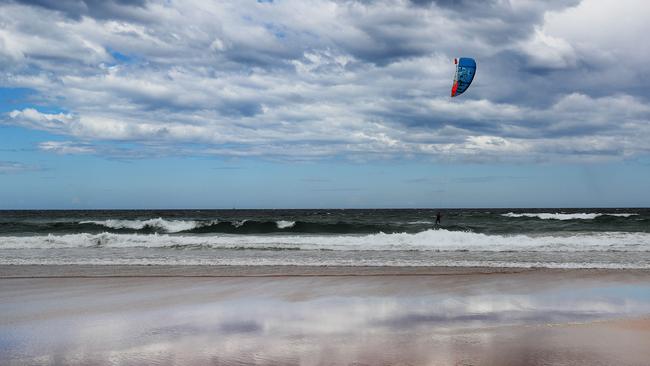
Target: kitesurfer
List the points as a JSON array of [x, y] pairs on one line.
[[438, 217]]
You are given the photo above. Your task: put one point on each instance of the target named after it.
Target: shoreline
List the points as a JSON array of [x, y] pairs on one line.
[[8, 271]]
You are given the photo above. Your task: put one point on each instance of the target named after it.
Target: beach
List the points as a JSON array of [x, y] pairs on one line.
[[321, 315]]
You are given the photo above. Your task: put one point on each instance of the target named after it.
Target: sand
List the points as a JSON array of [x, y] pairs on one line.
[[134, 315]]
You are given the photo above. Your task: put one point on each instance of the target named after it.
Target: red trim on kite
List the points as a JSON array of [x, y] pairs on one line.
[[454, 88]]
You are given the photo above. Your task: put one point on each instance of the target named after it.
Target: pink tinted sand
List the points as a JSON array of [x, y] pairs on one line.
[[323, 316]]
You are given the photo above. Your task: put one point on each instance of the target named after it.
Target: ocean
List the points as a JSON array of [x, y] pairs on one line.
[[549, 238]]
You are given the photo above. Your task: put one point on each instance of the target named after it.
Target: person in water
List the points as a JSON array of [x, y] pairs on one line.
[[438, 217]]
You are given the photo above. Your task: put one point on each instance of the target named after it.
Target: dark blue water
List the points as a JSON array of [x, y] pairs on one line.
[[487, 221]]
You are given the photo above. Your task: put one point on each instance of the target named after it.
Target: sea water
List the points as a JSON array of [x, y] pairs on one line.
[[552, 238]]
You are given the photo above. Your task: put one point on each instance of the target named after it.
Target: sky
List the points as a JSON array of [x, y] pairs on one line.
[[323, 104]]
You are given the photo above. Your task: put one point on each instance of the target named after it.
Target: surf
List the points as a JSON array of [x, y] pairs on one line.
[[430, 240]]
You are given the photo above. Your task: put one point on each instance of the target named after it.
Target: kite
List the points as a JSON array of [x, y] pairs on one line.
[[465, 70]]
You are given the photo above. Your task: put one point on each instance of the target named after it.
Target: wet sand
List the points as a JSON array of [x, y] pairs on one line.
[[50, 271], [85, 271], [132, 315]]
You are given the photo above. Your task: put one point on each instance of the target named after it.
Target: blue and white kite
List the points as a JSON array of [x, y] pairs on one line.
[[465, 70]]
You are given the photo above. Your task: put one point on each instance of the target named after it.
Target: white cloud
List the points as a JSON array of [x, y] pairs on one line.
[[545, 51], [12, 167], [32, 118], [616, 27], [65, 147]]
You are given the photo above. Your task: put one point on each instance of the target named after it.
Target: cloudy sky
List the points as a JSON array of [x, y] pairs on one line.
[[315, 103]]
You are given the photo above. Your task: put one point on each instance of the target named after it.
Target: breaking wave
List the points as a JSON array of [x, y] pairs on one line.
[[244, 226], [170, 226], [430, 240], [568, 216], [283, 224], [178, 226]]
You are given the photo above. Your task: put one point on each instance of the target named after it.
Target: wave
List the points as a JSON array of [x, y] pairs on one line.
[[177, 226], [169, 226], [283, 224], [430, 240], [165, 226], [563, 216]]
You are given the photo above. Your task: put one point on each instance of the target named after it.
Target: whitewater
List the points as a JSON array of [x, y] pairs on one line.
[[430, 240]]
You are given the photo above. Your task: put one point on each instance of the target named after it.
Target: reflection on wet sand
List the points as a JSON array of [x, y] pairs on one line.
[[500, 319]]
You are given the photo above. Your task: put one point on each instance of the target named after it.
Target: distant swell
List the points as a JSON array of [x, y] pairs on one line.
[[569, 216], [430, 240], [165, 226]]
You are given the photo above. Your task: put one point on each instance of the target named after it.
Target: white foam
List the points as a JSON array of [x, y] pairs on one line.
[[563, 216], [238, 223], [169, 226], [430, 240], [289, 261], [283, 224]]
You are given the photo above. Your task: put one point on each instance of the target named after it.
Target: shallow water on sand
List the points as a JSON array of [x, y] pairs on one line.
[[455, 319]]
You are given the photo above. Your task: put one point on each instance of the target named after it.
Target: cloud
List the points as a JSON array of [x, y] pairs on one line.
[[65, 147], [486, 179], [548, 52], [102, 9], [32, 118], [12, 167], [298, 80]]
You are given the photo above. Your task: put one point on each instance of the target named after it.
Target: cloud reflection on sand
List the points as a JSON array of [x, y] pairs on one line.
[[290, 320]]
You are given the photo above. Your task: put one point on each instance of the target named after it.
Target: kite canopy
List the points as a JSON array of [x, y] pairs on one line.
[[465, 70]]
